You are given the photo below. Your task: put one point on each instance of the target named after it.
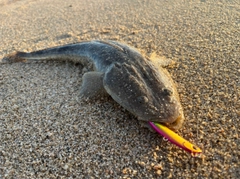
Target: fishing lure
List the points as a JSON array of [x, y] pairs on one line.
[[175, 138]]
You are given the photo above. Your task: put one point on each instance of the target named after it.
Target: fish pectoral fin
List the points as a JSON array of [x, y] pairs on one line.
[[92, 85]]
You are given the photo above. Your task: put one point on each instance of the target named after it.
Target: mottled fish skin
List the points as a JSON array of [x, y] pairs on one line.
[[130, 79]]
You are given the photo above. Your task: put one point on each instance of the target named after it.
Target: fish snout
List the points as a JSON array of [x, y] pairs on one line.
[[173, 117], [177, 123]]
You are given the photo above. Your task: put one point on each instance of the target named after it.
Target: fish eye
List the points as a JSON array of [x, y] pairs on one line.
[[142, 99], [167, 92]]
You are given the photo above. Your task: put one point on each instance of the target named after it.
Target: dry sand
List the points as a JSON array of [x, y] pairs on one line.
[[46, 132]]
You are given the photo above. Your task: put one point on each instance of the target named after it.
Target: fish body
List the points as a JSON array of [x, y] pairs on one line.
[[133, 81]]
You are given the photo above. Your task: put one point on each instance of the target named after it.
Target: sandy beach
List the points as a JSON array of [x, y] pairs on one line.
[[46, 131]]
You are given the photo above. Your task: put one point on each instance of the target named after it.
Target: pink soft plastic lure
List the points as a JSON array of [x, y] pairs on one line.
[[175, 138]]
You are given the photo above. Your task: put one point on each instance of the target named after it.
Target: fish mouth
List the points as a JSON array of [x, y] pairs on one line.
[[177, 124]]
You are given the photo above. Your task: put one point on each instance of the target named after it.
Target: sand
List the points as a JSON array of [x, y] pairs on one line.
[[47, 132]]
